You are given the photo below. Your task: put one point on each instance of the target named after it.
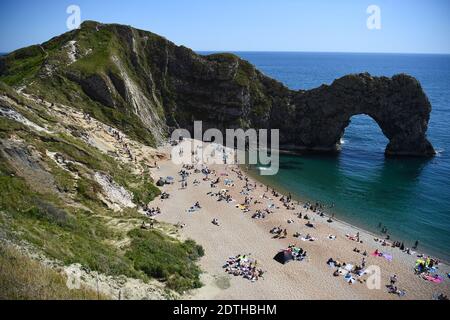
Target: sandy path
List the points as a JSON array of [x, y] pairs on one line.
[[239, 233]]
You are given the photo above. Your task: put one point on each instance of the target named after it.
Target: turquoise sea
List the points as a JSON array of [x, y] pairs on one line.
[[411, 197]]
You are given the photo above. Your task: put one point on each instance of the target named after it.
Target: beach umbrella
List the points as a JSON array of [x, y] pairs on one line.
[[283, 257]]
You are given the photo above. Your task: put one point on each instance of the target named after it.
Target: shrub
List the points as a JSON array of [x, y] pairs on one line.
[[167, 259]]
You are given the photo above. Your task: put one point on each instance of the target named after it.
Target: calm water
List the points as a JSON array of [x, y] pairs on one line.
[[410, 196]]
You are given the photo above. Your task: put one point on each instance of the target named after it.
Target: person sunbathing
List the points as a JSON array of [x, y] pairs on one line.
[[276, 230]]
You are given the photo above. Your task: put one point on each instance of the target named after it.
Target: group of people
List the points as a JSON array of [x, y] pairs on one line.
[[392, 287], [184, 174], [287, 202], [151, 212], [426, 265], [242, 265], [259, 214], [297, 253], [119, 138], [346, 269], [278, 232]]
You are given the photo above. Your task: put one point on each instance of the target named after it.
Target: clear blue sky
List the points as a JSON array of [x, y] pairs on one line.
[[411, 26]]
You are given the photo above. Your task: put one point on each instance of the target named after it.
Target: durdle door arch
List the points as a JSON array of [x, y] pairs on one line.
[[398, 105]]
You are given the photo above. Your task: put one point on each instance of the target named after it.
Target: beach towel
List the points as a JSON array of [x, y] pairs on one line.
[[387, 256], [348, 267], [348, 277], [435, 279]]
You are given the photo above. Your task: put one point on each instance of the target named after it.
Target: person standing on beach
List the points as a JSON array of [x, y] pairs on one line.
[[393, 280]]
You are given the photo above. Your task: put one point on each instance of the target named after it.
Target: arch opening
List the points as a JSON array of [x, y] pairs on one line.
[[363, 134]]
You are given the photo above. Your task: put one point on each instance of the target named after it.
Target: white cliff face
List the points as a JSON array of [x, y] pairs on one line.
[[16, 116], [114, 196], [71, 51], [144, 107]]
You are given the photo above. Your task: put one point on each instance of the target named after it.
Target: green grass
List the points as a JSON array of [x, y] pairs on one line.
[[162, 257], [22, 278], [49, 219], [22, 65], [74, 235], [102, 44], [67, 235]]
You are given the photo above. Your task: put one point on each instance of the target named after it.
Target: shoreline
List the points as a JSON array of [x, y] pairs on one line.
[[239, 233], [303, 200]]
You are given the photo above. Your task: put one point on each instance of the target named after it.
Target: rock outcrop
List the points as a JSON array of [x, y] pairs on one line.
[[398, 105], [158, 86]]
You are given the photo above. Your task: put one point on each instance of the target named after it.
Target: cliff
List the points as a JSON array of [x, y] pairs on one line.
[[147, 86]]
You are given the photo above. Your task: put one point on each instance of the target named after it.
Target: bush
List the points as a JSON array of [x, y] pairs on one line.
[[166, 259]]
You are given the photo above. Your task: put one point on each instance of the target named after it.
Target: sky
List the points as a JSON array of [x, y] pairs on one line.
[[406, 26]]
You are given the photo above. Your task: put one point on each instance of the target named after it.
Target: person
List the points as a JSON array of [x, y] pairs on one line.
[[416, 244], [309, 224], [393, 280], [363, 263], [442, 297]]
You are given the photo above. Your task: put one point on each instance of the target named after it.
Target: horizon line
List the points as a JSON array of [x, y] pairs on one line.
[[289, 51], [302, 51]]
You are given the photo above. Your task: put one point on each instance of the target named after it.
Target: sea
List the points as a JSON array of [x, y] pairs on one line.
[[408, 196]]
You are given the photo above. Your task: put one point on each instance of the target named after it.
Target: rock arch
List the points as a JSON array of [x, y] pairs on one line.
[[398, 105]]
